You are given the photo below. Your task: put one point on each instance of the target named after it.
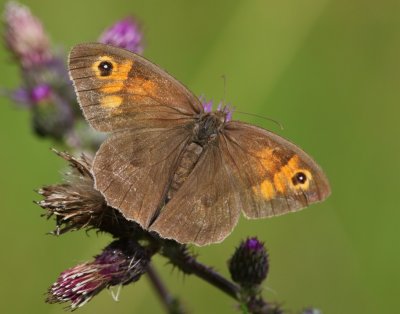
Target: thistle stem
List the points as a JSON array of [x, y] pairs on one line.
[[214, 278], [170, 303], [180, 257]]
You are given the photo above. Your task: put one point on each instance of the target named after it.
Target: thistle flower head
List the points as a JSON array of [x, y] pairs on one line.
[[52, 118], [208, 107], [40, 93], [31, 97], [249, 264], [45, 88], [77, 204], [122, 262], [25, 36], [124, 34]]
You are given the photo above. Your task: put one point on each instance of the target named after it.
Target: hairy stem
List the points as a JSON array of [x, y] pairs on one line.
[[180, 257], [171, 304], [208, 274]]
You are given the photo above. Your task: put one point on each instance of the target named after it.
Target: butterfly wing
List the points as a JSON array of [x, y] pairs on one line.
[[118, 89], [275, 175], [206, 207], [132, 169], [247, 169]]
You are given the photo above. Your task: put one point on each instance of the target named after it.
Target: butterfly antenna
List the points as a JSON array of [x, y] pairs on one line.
[[223, 76], [262, 117]]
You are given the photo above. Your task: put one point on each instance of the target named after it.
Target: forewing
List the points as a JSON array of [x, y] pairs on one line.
[[207, 206], [270, 171], [132, 169], [133, 92]]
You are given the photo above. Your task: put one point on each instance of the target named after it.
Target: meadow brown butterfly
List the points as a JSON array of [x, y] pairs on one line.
[[176, 168]]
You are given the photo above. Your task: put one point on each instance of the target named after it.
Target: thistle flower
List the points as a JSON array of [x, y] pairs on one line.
[[249, 264], [46, 88], [77, 204], [40, 93], [124, 34], [25, 36], [122, 262], [208, 106]]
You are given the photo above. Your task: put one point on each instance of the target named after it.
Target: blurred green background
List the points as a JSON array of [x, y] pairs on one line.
[[328, 70]]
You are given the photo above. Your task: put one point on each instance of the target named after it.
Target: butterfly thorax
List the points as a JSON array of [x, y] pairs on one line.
[[207, 127]]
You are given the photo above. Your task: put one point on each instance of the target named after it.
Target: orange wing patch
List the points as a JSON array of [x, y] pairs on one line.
[[267, 190], [114, 82], [141, 86], [284, 178], [112, 101], [268, 160]]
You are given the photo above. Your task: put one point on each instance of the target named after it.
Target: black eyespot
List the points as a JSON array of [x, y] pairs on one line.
[[299, 178], [105, 68]]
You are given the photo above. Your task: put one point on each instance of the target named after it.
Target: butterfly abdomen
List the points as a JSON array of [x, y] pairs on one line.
[[186, 163], [205, 131]]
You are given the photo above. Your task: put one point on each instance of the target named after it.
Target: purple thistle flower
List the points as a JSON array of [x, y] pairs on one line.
[[124, 34], [253, 244], [46, 88], [208, 105], [29, 97], [249, 264], [229, 112], [227, 109], [40, 93], [25, 36], [120, 263]]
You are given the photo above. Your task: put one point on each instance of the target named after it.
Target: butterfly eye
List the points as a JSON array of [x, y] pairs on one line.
[[105, 68], [299, 178]]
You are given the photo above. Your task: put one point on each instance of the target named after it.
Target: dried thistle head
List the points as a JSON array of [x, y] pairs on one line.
[[76, 204]]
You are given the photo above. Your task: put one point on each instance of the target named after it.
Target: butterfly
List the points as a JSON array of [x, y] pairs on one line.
[[172, 165]]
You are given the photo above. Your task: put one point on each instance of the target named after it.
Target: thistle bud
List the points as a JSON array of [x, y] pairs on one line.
[[249, 264]]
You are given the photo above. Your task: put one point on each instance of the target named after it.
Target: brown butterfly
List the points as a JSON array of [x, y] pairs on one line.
[[172, 166]]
